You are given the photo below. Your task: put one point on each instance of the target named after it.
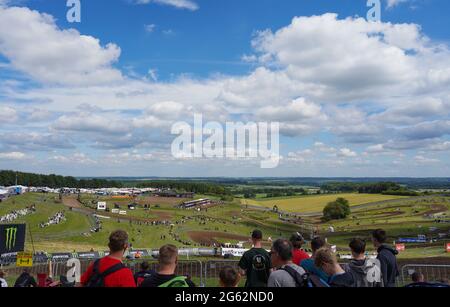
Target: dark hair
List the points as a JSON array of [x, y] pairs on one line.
[[379, 235], [283, 248], [257, 234], [297, 240], [417, 277], [168, 254], [229, 276], [357, 246], [317, 243], [145, 266], [117, 240], [2, 274]]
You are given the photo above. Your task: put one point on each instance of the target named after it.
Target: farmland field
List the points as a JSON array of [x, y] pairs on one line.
[[316, 203]]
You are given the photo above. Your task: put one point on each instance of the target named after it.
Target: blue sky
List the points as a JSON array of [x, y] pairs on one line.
[[98, 98]]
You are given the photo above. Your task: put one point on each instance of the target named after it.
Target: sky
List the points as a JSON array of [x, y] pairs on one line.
[[353, 98]]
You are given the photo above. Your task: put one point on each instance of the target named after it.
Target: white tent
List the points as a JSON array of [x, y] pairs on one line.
[[3, 194]]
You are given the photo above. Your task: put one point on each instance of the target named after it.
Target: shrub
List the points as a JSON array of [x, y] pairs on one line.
[[336, 210]]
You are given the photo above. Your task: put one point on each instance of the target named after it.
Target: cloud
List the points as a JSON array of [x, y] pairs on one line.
[[150, 28], [393, 3], [69, 57], [7, 115], [346, 153], [381, 88], [87, 122], [12, 156], [179, 4]]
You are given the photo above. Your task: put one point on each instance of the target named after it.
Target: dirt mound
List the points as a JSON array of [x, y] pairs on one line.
[[71, 202]]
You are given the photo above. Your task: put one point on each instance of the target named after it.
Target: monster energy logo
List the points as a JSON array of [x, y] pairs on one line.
[[11, 234]]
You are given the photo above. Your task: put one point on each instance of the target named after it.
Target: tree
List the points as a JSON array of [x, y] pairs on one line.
[[336, 210]]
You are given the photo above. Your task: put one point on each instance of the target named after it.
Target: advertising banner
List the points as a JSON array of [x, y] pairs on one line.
[[12, 238]]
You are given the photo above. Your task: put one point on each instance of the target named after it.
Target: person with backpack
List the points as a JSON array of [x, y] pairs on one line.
[[109, 271], [387, 257], [287, 273], [166, 277], [326, 261], [144, 273], [255, 263], [366, 272], [308, 264], [25, 280]]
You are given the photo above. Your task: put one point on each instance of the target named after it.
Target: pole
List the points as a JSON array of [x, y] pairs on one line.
[[31, 238]]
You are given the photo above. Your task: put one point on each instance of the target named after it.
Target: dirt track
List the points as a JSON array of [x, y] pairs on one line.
[[74, 203], [209, 238]]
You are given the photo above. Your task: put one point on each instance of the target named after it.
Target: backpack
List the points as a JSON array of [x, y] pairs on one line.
[[177, 282], [97, 279], [371, 278], [306, 280], [141, 276]]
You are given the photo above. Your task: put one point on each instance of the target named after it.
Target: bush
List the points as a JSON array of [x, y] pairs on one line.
[[336, 210]]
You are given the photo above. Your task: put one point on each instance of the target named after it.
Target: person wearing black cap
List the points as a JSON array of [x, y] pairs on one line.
[[298, 255], [256, 263]]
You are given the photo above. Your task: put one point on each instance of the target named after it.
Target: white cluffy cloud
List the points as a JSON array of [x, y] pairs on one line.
[[37, 47], [393, 3], [180, 4]]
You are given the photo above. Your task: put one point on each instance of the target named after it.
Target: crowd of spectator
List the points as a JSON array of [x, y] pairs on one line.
[[16, 214], [285, 265], [56, 219]]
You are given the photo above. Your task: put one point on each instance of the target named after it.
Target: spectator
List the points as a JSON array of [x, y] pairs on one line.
[[387, 257], [229, 277], [144, 273], [255, 263], [326, 260], [25, 280], [287, 274], [165, 277], [308, 264], [3, 283], [109, 271], [418, 277], [366, 272], [298, 255]]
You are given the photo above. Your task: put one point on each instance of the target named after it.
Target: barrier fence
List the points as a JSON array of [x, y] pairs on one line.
[[206, 274], [435, 273]]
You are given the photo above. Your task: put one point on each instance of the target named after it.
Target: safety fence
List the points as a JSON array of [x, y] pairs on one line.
[[206, 273], [434, 273]]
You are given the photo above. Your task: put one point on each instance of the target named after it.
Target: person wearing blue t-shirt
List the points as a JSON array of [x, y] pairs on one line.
[[308, 264]]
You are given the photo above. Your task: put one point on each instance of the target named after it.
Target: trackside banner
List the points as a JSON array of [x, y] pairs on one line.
[[12, 238]]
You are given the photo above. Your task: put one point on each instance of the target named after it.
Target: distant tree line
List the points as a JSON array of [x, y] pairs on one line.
[[8, 178], [186, 186], [388, 188], [270, 192]]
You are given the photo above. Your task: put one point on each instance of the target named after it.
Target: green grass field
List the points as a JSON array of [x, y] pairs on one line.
[[233, 222], [316, 203]]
